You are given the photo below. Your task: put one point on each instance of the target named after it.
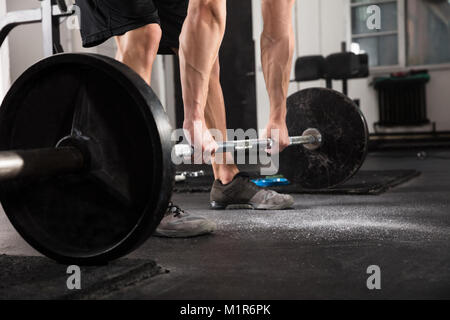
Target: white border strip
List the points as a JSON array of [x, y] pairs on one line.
[[5, 77]]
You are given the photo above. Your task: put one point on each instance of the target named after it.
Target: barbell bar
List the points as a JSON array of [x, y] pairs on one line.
[[64, 160], [40, 162], [311, 139]]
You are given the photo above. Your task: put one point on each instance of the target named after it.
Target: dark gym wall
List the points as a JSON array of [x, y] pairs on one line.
[[237, 60]]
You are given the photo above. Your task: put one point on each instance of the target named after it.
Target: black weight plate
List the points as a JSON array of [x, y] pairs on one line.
[[344, 134], [102, 214]]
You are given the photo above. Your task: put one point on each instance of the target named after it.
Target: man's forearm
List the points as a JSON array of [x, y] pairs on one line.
[[200, 41], [277, 49]]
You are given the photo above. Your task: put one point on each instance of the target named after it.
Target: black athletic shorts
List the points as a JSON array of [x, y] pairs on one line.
[[102, 19]]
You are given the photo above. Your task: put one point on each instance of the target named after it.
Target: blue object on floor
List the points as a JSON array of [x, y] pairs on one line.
[[271, 182]]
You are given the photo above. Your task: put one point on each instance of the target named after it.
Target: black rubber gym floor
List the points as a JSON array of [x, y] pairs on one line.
[[320, 249]]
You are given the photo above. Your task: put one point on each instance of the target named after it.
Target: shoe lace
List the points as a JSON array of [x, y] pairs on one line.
[[175, 210]]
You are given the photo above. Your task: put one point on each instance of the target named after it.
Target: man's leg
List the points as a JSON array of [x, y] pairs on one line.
[[277, 50], [216, 119], [138, 48], [231, 188], [200, 40]]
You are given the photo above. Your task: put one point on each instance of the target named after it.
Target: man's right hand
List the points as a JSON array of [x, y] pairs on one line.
[[201, 140]]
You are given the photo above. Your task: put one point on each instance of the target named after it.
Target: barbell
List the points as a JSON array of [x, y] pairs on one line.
[[310, 139], [86, 171]]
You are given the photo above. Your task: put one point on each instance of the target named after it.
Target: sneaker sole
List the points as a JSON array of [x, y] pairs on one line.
[[177, 234], [250, 206]]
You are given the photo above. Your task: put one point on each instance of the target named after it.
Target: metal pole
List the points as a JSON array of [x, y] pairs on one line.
[[17, 18], [47, 27], [312, 139], [56, 33], [40, 162]]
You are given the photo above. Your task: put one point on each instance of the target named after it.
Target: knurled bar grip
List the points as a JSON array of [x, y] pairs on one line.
[[185, 150]]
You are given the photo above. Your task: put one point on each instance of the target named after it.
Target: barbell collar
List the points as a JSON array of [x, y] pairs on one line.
[[308, 139], [311, 139]]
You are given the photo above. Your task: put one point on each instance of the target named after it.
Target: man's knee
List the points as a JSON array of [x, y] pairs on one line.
[[210, 10], [144, 41], [277, 5], [277, 17], [150, 37]]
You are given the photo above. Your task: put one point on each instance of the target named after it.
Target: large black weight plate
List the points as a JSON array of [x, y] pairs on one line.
[[344, 134], [102, 214]]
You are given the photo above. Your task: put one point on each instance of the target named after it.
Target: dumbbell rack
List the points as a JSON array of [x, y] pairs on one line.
[[48, 14]]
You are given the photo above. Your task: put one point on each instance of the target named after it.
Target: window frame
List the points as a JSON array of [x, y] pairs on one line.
[[401, 34]]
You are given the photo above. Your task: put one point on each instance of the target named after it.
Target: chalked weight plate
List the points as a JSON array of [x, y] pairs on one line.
[[344, 139], [101, 214]]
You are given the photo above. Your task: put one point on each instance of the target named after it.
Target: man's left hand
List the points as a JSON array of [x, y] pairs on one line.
[[278, 132]]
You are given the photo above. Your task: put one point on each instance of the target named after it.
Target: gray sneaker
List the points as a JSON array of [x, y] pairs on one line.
[[179, 224], [242, 193]]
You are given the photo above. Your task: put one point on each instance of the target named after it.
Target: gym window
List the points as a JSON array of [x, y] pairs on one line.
[[411, 33]]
